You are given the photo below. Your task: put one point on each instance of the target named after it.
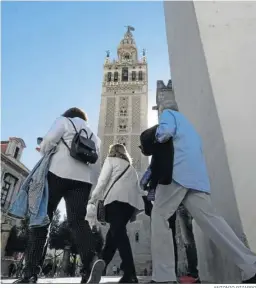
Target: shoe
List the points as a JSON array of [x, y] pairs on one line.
[[85, 277], [104, 273], [26, 280], [189, 280], [168, 282], [96, 272], [251, 280], [129, 280]]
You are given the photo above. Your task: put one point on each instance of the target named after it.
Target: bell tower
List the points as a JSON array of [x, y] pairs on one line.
[[124, 100]]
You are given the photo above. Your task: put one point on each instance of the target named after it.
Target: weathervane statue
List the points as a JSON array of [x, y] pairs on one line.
[[129, 28]]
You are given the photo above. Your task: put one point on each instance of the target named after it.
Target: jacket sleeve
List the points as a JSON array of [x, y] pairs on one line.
[[167, 127], [53, 136], [103, 180]]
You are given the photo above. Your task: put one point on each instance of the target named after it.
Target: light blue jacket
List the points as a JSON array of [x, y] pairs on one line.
[[32, 199], [189, 168]]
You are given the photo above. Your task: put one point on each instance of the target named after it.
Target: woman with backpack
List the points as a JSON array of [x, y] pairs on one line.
[[118, 186], [69, 176]]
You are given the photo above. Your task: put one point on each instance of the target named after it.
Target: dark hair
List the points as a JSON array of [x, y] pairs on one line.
[[75, 112]]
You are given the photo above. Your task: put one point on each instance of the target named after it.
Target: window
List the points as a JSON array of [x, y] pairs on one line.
[[122, 128], [17, 150], [133, 75], [116, 76], [140, 76], [109, 76], [137, 237], [126, 56], [5, 191], [125, 74], [123, 112]]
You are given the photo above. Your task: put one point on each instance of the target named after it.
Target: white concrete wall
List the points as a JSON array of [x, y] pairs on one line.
[[212, 56]]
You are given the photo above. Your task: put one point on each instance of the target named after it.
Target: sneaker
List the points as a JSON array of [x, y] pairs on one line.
[[129, 280], [96, 272], [26, 280], [85, 278], [189, 280], [168, 282], [104, 273], [251, 280]]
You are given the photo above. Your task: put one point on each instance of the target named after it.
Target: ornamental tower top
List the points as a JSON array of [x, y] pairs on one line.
[[124, 100]]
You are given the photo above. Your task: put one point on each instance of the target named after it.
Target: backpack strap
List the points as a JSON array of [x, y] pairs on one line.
[[81, 129], [64, 142], [120, 176], [73, 124]]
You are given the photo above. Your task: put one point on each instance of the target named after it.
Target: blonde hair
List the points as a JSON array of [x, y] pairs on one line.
[[119, 151]]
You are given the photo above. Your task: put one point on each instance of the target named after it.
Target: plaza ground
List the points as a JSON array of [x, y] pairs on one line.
[[76, 280]]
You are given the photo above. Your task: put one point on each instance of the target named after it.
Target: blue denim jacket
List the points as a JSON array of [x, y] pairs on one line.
[[32, 199]]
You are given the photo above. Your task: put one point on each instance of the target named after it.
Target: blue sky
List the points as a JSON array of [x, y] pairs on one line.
[[53, 55]]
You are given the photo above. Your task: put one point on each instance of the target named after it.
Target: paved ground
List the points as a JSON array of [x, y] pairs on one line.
[[76, 280]]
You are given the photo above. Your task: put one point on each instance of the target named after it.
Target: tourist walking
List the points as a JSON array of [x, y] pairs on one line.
[[191, 187], [160, 172], [65, 171], [118, 186]]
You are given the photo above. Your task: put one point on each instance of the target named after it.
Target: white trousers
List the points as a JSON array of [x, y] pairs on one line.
[[167, 201]]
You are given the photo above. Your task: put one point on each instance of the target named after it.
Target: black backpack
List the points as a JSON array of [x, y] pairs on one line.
[[82, 148]]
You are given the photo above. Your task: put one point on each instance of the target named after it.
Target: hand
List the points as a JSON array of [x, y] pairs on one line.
[[145, 179], [91, 210], [92, 202]]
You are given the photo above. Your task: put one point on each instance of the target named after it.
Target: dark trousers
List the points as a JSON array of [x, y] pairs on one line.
[[190, 245], [172, 225], [118, 215], [76, 195]]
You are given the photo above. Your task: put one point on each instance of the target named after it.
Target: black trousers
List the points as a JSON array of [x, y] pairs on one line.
[[76, 195], [190, 244], [118, 215], [172, 225]]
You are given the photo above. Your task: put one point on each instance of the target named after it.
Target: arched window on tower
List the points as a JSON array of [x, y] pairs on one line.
[[140, 76], [133, 75], [109, 76], [137, 237], [123, 111], [116, 76], [125, 74]]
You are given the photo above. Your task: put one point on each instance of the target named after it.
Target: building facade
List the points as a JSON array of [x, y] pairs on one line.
[[123, 116], [13, 173]]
